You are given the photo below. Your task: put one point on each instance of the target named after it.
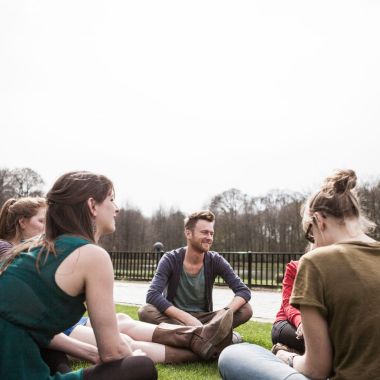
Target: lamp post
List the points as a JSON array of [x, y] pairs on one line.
[[158, 247]]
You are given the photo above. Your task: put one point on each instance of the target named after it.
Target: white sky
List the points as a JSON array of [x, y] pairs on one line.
[[178, 101]]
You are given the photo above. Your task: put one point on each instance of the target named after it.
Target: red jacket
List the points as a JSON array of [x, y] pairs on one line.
[[288, 312]]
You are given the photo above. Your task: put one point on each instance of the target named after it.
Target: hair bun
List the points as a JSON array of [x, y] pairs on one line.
[[341, 181]]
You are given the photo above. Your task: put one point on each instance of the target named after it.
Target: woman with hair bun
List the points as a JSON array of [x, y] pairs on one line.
[[337, 291], [20, 219]]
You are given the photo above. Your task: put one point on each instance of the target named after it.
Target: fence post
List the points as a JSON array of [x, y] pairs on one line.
[[249, 269]]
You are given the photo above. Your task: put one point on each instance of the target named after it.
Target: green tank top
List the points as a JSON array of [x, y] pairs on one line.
[[33, 309]]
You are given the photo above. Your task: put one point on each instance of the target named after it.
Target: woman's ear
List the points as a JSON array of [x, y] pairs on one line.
[[21, 222], [320, 220], [91, 203]]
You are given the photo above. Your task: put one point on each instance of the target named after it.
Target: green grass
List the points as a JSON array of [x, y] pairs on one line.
[[252, 332]]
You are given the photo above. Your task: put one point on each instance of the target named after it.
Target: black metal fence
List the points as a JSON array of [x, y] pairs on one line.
[[256, 269]]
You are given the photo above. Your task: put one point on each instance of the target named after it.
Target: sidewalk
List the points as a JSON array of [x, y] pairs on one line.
[[265, 304]]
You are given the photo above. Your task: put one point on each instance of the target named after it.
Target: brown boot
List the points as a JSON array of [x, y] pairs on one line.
[[206, 341], [179, 355]]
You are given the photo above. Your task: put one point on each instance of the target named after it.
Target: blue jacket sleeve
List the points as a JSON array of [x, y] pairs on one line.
[[233, 280], [158, 285]]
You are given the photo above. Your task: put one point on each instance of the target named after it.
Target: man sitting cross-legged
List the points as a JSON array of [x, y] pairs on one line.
[[181, 290]]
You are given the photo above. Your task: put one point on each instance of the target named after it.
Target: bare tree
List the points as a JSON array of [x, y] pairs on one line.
[[26, 182], [227, 207], [167, 227], [6, 189]]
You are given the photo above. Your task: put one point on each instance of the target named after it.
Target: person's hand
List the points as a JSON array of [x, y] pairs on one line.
[[88, 352], [299, 332], [93, 357], [192, 321], [138, 352], [283, 355]]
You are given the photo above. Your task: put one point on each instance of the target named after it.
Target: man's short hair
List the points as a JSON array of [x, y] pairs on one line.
[[193, 218]]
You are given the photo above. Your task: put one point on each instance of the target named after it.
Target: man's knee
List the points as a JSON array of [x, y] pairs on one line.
[[148, 313], [246, 311], [243, 315]]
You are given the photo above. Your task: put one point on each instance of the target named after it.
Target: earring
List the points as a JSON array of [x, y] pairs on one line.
[[94, 226]]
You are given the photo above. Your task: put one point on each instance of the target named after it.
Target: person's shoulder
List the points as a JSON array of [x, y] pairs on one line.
[[323, 256], [215, 257], [91, 252], [5, 243], [324, 251], [175, 253], [291, 266], [214, 254]]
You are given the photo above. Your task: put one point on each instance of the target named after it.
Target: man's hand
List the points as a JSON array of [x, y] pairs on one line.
[[182, 316], [236, 303], [192, 321]]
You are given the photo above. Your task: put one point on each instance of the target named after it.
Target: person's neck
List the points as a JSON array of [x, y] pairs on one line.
[[15, 241], [97, 236], [361, 237], [350, 231], [193, 256]]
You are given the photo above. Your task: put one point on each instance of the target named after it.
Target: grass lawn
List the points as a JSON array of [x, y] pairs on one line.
[[253, 332]]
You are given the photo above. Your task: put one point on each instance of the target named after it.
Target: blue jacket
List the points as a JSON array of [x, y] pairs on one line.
[[163, 287]]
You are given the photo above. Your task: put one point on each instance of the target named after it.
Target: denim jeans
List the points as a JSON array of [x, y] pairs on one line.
[[249, 361]]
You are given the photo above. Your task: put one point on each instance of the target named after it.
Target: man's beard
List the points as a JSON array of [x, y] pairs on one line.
[[196, 246]]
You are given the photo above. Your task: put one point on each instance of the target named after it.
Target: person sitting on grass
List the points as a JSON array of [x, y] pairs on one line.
[[44, 285], [186, 277], [139, 336], [287, 333], [337, 291], [24, 218], [20, 219]]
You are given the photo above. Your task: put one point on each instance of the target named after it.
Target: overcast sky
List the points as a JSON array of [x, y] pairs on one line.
[[178, 101]]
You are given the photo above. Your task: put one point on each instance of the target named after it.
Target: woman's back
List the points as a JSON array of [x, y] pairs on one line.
[[33, 309], [342, 281]]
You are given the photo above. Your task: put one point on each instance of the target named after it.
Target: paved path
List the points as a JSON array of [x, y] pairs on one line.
[[265, 304]]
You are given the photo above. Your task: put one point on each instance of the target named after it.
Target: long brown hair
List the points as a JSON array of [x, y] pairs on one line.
[[68, 211], [15, 209]]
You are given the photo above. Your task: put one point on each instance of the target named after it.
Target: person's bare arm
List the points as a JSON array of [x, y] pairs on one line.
[[316, 363], [236, 303], [98, 282], [75, 348], [182, 316]]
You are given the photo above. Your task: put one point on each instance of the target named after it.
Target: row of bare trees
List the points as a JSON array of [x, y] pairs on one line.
[[18, 183], [268, 223]]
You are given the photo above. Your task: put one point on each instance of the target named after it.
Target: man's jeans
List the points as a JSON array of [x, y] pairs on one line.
[[249, 361]]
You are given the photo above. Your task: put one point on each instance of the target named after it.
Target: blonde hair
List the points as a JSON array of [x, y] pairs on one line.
[[337, 197]]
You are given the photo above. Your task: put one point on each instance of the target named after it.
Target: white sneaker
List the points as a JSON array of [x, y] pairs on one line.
[[236, 338]]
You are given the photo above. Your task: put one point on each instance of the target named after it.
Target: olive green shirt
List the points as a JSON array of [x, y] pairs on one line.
[[342, 282]]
